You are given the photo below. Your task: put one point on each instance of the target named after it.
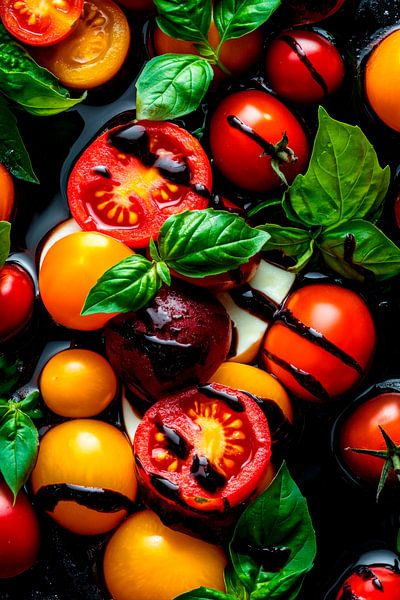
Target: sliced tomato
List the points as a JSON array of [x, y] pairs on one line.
[[133, 177], [40, 22]]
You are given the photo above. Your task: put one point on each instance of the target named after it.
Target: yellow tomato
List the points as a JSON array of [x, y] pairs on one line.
[[145, 560]]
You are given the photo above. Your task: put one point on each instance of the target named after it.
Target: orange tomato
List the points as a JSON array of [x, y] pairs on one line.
[[145, 560], [6, 194], [70, 269]]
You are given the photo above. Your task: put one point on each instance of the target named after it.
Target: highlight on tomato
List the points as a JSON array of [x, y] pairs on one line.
[[96, 49], [145, 559], [40, 22], [321, 342], [17, 296], [6, 194], [84, 476], [133, 177], [376, 576]]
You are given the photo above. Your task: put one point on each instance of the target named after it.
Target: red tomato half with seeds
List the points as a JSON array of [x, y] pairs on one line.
[[132, 178]]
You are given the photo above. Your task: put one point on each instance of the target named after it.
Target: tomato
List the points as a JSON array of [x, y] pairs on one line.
[[75, 263], [144, 559], [19, 533], [381, 70], [201, 453], [244, 131], [139, 5], [40, 22], [6, 194], [133, 177], [375, 582], [77, 383], [303, 66], [311, 11], [321, 343], [17, 295], [95, 51], [84, 476]]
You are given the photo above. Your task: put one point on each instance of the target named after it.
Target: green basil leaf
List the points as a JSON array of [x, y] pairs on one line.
[[208, 242], [5, 229], [128, 285], [4, 407], [291, 241], [13, 153], [203, 593], [163, 272], [189, 20], [344, 179], [264, 205], [233, 584], [10, 372], [279, 518], [172, 85], [235, 18], [19, 442], [373, 254], [30, 405]]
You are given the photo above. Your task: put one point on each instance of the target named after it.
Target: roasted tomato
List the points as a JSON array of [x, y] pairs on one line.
[[247, 132], [40, 22], [372, 582], [133, 177], [95, 51], [200, 454], [143, 546], [321, 342], [17, 295], [6, 194], [311, 11], [84, 476]]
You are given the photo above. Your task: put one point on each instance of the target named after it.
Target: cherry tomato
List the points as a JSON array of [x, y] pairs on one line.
[[19, 533], [245, 129], [78, 383], [17, 295], [74, 264], [373, 582], [95, 51], [143, 547], [303, 66], [309, 11], [133, 177], [321, 343], [381, 71], [139, 5], [40, 22], [6, 194], [84, 476]]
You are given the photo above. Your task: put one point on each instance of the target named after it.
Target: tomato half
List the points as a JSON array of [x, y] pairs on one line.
[[40, 22], [374, 582], [17, 295], [133, 177], [95, 51], [6, 194]]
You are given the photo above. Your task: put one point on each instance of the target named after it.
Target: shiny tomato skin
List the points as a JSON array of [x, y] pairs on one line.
[[343, 318], [17, 295], [6, 194], [19, 533], [40, 22], [371, 583], [238, 157]]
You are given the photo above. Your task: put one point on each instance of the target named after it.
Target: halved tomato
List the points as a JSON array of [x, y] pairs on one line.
[[133, 177], [40, 22]]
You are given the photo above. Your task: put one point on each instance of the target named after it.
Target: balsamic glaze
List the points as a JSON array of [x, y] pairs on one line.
[[174, 169], [367, 574], [99, 499], [272, 558], [254, 302], [205, 474], [165, 487], [175, 442], [296, 47], [229, 399], [201, 190], [267, 147], [350, 244], [102, 171]]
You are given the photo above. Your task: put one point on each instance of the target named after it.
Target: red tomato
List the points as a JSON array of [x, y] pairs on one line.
[[19, 533], [133, 177], [244, 128], [309, 11], [6, 194], [371, 583], [321, 343], [17, 294], [304, 66], [40, 22]]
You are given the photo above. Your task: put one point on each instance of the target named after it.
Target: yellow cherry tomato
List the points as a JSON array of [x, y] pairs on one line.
[[70, 269], [145, 560], [91, 454], [78, 383]]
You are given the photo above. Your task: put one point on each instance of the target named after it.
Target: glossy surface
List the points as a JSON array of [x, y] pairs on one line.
[[371, 583], [17, 295]]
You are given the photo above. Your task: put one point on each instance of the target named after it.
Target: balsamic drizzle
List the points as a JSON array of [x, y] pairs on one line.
[[175, 442], [296, 47], [229, 399], [205, 474], [99, 499], [254, 302], [102, 171], [237, 123], [350, 244], [165, 487], [272, 558]]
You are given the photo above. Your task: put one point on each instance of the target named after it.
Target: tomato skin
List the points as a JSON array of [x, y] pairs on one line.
[[19, 533], [334, 312], [17, 295], [52, 23], [6, 194], [364, 584], [238, 157]]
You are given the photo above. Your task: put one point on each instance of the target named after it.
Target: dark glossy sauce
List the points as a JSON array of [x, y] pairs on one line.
[[231, 400], [99, 499], [254, 302], [238, 124], [206, 475], [296, 47], [165, 487], [174, 441], [271, 558]]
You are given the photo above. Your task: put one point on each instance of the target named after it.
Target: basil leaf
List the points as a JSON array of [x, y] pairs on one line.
[[19, 442], [128, 285], [4, 407], [163, 272], [189, 20], [172, 85], [30, 405], [263, 205], [359, 249], [13, 153], [5, 228], [344, 179], [277, 518], [10, 371], [291, 241], [208, 242], [235, 18], [203, 593], [233, 584]]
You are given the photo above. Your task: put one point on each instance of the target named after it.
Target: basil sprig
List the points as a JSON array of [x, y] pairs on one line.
[[335, 206], [173, 85], [193, 243]]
